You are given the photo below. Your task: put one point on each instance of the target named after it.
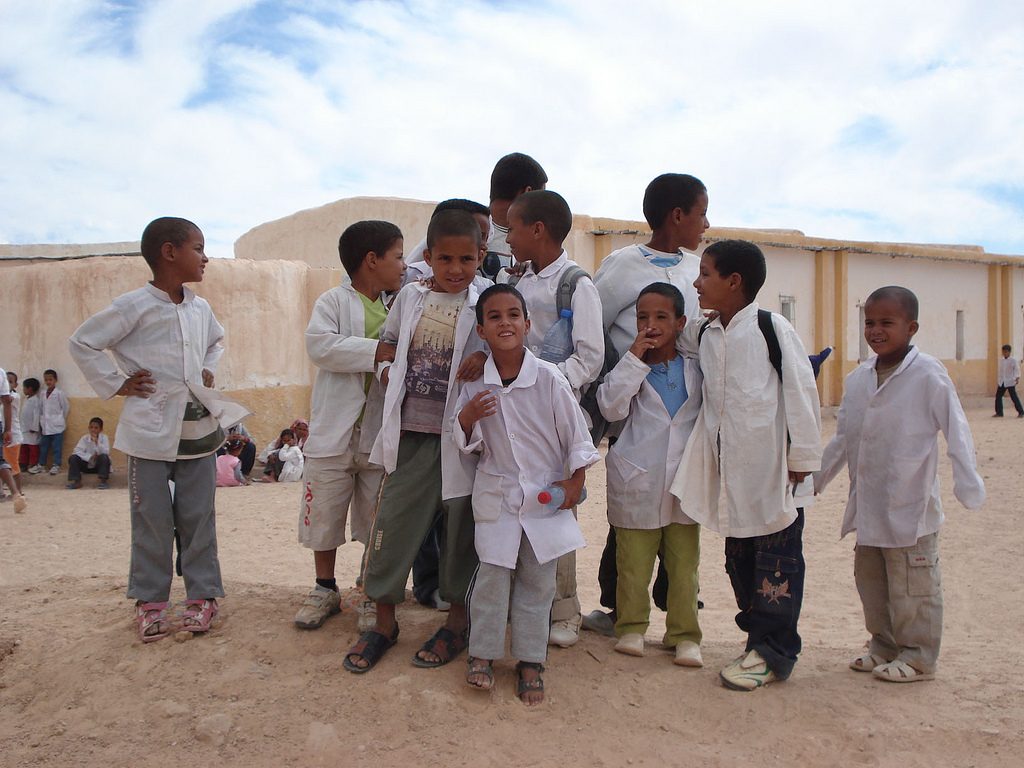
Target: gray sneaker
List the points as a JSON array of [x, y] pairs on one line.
[[320, 603]]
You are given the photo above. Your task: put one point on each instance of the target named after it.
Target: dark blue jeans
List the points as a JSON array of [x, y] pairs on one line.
[[767, 575]]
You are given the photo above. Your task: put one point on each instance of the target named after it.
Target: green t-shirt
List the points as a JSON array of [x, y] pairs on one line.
[[374, 315]]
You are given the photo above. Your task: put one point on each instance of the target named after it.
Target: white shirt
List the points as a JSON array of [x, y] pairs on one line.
[[291, 455], [336, 344], [539, 435], [144, 329], [53, 411], [5, 391], [16, 433], [643, 461], [734, 474], [539, 291], [30, 427], [457, 470], [626, 272], [88, 449], [888, 437], [1009, 371]]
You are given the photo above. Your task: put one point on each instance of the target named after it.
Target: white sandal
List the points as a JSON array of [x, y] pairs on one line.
[[900, 672], [866, 662]]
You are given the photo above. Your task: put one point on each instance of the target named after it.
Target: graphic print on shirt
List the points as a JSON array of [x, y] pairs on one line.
[[430, 363]]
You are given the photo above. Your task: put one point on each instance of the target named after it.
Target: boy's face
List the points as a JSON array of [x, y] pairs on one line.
[[694, 224], [389, 267], [12, 382], [485, 233], [505, 325], [657, 315], [1006, 353], [887, 329], [522, 237], [29, 391], [50, 380], [454, 259], [94, 429], [188, 260], [715, 291]]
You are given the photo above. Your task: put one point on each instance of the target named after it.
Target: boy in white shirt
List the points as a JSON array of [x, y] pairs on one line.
[[539, 222], [758, 435], [166, 343], [436, 349], [53, 419], [531, 434], [12, 452], [92, 455], [30, 433], [1009, 377], [656, 394], [343, 341], [6, 433], [893, 408]]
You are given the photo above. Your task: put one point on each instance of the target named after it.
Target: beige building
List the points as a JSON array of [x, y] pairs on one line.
[[972, 302]]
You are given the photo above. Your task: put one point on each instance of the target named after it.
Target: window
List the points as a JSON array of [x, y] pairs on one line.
[[788, 308], [960, 356], [865, 350]]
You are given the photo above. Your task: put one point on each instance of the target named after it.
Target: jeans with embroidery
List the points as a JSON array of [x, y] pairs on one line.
[[767, 575]]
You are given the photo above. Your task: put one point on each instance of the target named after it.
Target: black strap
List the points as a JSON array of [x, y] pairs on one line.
[[764, 322]]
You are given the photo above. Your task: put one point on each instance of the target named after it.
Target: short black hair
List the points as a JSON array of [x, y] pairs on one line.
[[166, 229], [362, 237], [31, 383], [547, 207], [669, 291], [460, 204], [513, 173], [96, 420], [51, 372], [287, 432], [902, 296], [668, 192], [452, 223], [1007, 348], [743, 258], [494, 290], [12, 373]]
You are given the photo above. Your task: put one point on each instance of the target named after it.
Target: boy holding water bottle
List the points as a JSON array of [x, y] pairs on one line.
[[522, 418]]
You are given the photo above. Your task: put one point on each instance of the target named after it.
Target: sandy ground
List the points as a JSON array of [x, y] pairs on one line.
[[78, 688]]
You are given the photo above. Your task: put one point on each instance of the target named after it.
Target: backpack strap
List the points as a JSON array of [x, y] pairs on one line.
[[700, 333], [567, 286], [764, 322]]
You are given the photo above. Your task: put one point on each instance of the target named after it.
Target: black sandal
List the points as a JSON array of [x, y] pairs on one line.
[[444, 644], [371, 648], [528, 686], [480, 667]]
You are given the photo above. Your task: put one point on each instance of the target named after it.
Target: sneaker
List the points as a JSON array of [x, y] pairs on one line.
[[367, 611], [601, 622], [565, 634], [747, 673], [102, 485], [631, 644], [688, 655], [19, 503], [54, 470], [319, 604], [74, 486], [35, 469]]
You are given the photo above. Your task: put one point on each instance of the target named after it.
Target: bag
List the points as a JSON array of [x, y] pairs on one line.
[[764, 322]]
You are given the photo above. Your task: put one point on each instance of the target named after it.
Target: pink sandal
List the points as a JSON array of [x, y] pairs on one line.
[[152, 622], [198, 615]]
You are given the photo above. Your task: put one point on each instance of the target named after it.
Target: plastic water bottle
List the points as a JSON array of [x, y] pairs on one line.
[[554, 496], [557, 344]]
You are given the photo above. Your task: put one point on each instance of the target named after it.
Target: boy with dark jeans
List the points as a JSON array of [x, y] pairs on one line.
[[1009, 377], [91, 456]]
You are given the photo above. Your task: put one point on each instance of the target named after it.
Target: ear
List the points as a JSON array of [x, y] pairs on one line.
[[371, 259], [735, 281], [480, 331], [538, 229], [167, 251], [426, 257], [681, 323], [913, 327], [527, 322]]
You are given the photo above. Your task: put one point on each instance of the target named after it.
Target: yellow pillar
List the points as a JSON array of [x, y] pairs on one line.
[[840, 323], [998, 315]]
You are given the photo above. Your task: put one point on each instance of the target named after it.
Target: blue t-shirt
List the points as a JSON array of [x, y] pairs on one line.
[[667, 380]]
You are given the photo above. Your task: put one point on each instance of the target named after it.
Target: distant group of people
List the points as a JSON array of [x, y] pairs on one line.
[[467, 406]]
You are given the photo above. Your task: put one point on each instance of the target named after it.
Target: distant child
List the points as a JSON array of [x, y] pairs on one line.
[[893, 409], [6, 420], [30, 428], [513, 175], [343, 341], [1009, 377], [12, 451], [53, 416], [524, 421], [92, 456], [290, 456], [657, 394], [676, 208], [758, 435], [229, 467], [427, 475], [538, 224], [166, 343]]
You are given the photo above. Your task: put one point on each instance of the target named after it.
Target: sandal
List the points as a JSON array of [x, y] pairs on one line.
[[480, 667], [444, 644], [524, 686], [371, 648], [198, 615], [152, 622], [900, 672], [866, 662]]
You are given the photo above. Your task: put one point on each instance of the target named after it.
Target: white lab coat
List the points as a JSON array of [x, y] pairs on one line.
[[457, 469], [888, 437], [539, 435], [87, 449], [53, 412], [291, 455], [734, 474], [643, 461]]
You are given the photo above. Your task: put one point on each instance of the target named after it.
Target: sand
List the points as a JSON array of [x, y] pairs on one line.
[[78, 688]]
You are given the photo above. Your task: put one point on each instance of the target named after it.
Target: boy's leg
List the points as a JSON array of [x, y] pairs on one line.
[[152, 521], [488, 608], [45, 443], [248, 457], [195, 519], [565, 610], [12, 454], [607, 572], [870, 572], [999, 399], [915, 592], [75, 467], [103, 467], [426, 568], [532, 595], [681, 548], [634, 560], [458, 560], [1015, 400], [58, 448]]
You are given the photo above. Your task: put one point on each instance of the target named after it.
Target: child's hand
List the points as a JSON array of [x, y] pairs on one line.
[[428, 282], [207, 379], [796, 478], [139, 384], [385, 353], [7, 439], [518, 268], [573, 487], [642, 343], [385, 377], [482, 405], [472, 367]]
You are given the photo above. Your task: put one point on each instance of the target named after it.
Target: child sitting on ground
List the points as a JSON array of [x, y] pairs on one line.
[[91, 456], [525, 422], [229, 467], [893, 408], [658, 395], [290, 456]]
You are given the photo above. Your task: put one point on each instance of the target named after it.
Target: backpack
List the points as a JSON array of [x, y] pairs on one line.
[[764, 322]]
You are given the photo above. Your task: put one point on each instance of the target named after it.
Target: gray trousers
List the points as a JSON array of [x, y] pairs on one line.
[[901, 591], [156, 515], [530, 594], [566, 606]]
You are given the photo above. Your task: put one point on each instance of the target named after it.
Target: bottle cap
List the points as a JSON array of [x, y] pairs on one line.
[[544, 497], [565, 313]]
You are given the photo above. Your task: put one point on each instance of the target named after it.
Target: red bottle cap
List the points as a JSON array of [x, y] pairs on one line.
[[544, 497]]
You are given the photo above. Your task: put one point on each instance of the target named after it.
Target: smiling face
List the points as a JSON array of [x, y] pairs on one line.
[[657, 314], [505, 324], [389, 267], [94, 429], [187, 261], [454, 259], [522, 237], [693, 225], [888, 329]]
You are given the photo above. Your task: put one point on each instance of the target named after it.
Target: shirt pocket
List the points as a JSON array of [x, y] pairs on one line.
[[627, 479], [922, 574], [146, 413], [487, 497]]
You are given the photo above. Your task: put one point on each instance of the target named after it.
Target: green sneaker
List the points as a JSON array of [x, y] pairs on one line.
[[747, 673]]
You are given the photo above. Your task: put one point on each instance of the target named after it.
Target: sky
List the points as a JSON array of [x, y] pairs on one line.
[[870, 120]]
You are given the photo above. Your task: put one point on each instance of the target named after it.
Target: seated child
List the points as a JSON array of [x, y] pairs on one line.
[[91, 456], [229, 467], [290, 457], [166, 342], [530, 432], [894, 406], [758, 434], [657, 395]]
